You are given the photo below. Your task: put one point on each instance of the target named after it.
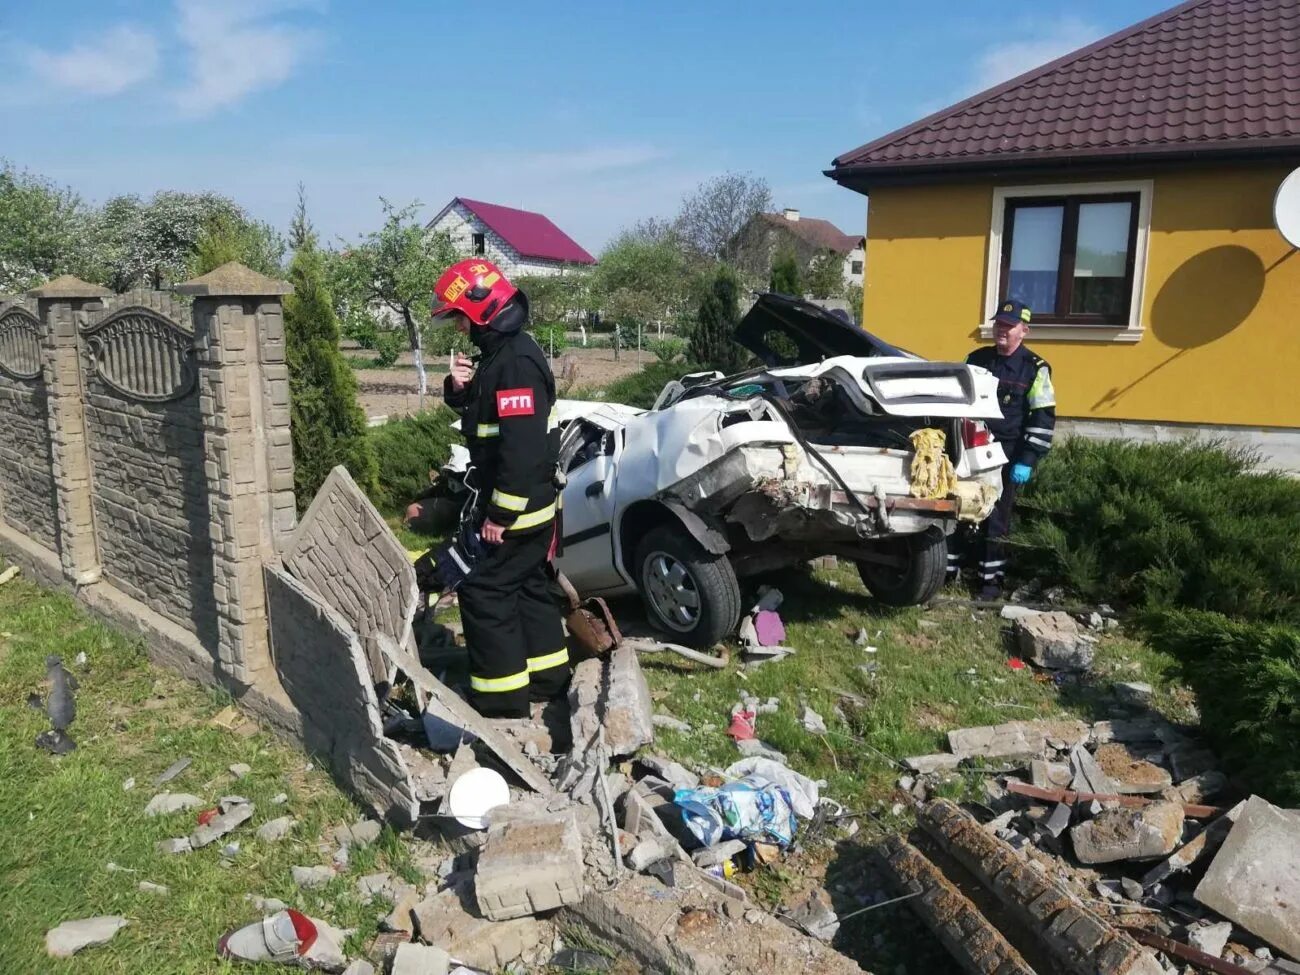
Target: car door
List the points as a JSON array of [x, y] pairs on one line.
[[589, 499]]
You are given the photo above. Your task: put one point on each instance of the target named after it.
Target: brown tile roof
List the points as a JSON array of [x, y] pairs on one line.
[[819, 233], [1214, 77]]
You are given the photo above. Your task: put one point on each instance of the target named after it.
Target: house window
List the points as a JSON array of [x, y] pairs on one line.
[[479, 243], [855, 267], [1075, 254]]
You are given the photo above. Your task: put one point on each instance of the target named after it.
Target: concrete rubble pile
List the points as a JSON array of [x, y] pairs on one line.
[[1094, 850], [559, 821]]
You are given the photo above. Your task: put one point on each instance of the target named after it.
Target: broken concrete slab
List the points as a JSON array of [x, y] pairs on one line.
[[1134, 693], [1131, 775], [1080, 940], [240, 769], [611, 695], [647, 851], [166, 803], [146, 887], [179, 844], [816, 915], [71, 937], [961, 928], [674, 773], [374, 885], [453, 708], [451, 920], [1254, 880], [401, 918], [276, 829], [319, 660], [929, 764], [1129, 834], [711, 856], [1088, 775], [172, 770], [754, 748], [670, 723], [1210, 938], [1013, 612], [1054, 641], [1015, 739], [1050, 775], [530, 865], [235, 815], [1200, 787], [412, 959], [683, 930], [812, 721], [1197, 848]]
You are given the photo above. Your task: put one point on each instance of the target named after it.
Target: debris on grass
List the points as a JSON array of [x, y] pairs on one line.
[[173, 770]]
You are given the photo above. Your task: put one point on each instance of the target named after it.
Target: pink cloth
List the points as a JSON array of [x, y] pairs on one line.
[[770, 629]]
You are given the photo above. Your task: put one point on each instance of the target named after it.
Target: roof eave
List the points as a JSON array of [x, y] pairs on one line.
[[862, 177]]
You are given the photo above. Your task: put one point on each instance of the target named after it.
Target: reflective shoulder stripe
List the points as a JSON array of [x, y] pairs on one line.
[[548, 661], [533, 519], [499, 685], [1041, 393], [554, 423], [1038, 442], [488, 430], [511, 502]]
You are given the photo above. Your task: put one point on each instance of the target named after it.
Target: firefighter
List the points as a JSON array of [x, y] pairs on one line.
[[1025, 431], [517, 649]]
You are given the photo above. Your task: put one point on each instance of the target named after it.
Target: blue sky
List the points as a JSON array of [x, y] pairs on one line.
[[596, 114]]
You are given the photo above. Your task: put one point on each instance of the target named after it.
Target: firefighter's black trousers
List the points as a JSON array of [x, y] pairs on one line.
[[517, 650]]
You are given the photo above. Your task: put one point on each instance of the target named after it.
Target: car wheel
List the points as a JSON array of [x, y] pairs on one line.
[[690, 594], [921, 561]]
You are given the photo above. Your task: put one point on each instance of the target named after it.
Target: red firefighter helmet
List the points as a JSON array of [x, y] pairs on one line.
[[475, 287]]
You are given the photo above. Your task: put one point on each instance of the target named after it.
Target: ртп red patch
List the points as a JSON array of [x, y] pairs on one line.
[[514, 402]]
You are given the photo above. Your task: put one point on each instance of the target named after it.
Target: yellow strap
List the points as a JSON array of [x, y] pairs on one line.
[[511, 502], [488, 430], [499, 685], [560, 656], [533, 519]]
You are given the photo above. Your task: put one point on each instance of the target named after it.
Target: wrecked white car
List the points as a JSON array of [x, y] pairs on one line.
[[809, 455]]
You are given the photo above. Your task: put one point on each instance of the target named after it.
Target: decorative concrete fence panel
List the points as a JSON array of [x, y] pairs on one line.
[[27, 502]]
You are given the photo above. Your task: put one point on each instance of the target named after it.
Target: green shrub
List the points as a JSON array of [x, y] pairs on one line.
[[552, 338], [1247, 681], [642, 388], [389, 347], [667, 350], [407, 449], [1178, 525], [327, 425], [713, 337], [443, 340]]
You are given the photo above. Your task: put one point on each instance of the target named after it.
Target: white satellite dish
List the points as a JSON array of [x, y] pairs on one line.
[[1286, 209]]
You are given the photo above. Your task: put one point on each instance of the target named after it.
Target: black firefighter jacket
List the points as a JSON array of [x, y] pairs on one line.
[[510, 424]]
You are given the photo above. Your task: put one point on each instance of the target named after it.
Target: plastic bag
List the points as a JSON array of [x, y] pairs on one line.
[[752, 809], [802, 791]]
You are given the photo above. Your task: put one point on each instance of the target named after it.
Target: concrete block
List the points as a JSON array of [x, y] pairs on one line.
[[530, 865], [927, 764], [412, 959], [451, 920], [1210, 938], [1131, 775], [1015, 739], [1129, 834], [1254, 879], [71, 937], [1054, 641]]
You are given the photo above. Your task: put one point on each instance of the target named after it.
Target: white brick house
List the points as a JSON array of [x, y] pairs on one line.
[[808, 237], [517, 241]]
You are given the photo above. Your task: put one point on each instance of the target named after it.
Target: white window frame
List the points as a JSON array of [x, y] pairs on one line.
[[1133, 331]]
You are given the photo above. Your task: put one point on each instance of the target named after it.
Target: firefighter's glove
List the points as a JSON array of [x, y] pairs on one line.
[[1021, 473]]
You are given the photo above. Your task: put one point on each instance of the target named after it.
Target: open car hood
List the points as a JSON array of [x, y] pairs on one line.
[[785, 331]]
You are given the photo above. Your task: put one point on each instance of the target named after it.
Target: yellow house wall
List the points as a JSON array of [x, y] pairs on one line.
[[1221, 305]]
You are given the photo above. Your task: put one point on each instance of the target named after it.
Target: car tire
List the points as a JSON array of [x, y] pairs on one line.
[[918, 579], [672, 571]]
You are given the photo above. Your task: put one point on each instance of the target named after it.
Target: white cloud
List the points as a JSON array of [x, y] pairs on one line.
[[1033, 47], [120, 58], [235, 48]]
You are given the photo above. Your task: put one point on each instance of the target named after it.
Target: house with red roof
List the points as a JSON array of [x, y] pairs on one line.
[[807, 238], [517, 241], [1126, 193]]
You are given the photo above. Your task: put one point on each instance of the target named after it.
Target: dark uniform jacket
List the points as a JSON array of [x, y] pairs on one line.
[[510, 424], [1027, 400]]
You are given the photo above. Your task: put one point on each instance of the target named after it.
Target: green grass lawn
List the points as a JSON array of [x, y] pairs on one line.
[[63, 820]]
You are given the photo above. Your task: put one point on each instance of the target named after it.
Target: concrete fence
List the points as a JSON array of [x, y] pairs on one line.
[[145, 463]]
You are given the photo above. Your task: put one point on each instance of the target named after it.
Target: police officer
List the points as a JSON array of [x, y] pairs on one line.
[[1025, 431], [517, 650]]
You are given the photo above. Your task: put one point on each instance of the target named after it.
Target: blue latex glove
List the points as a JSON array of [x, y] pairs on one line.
[[1021, 473]]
